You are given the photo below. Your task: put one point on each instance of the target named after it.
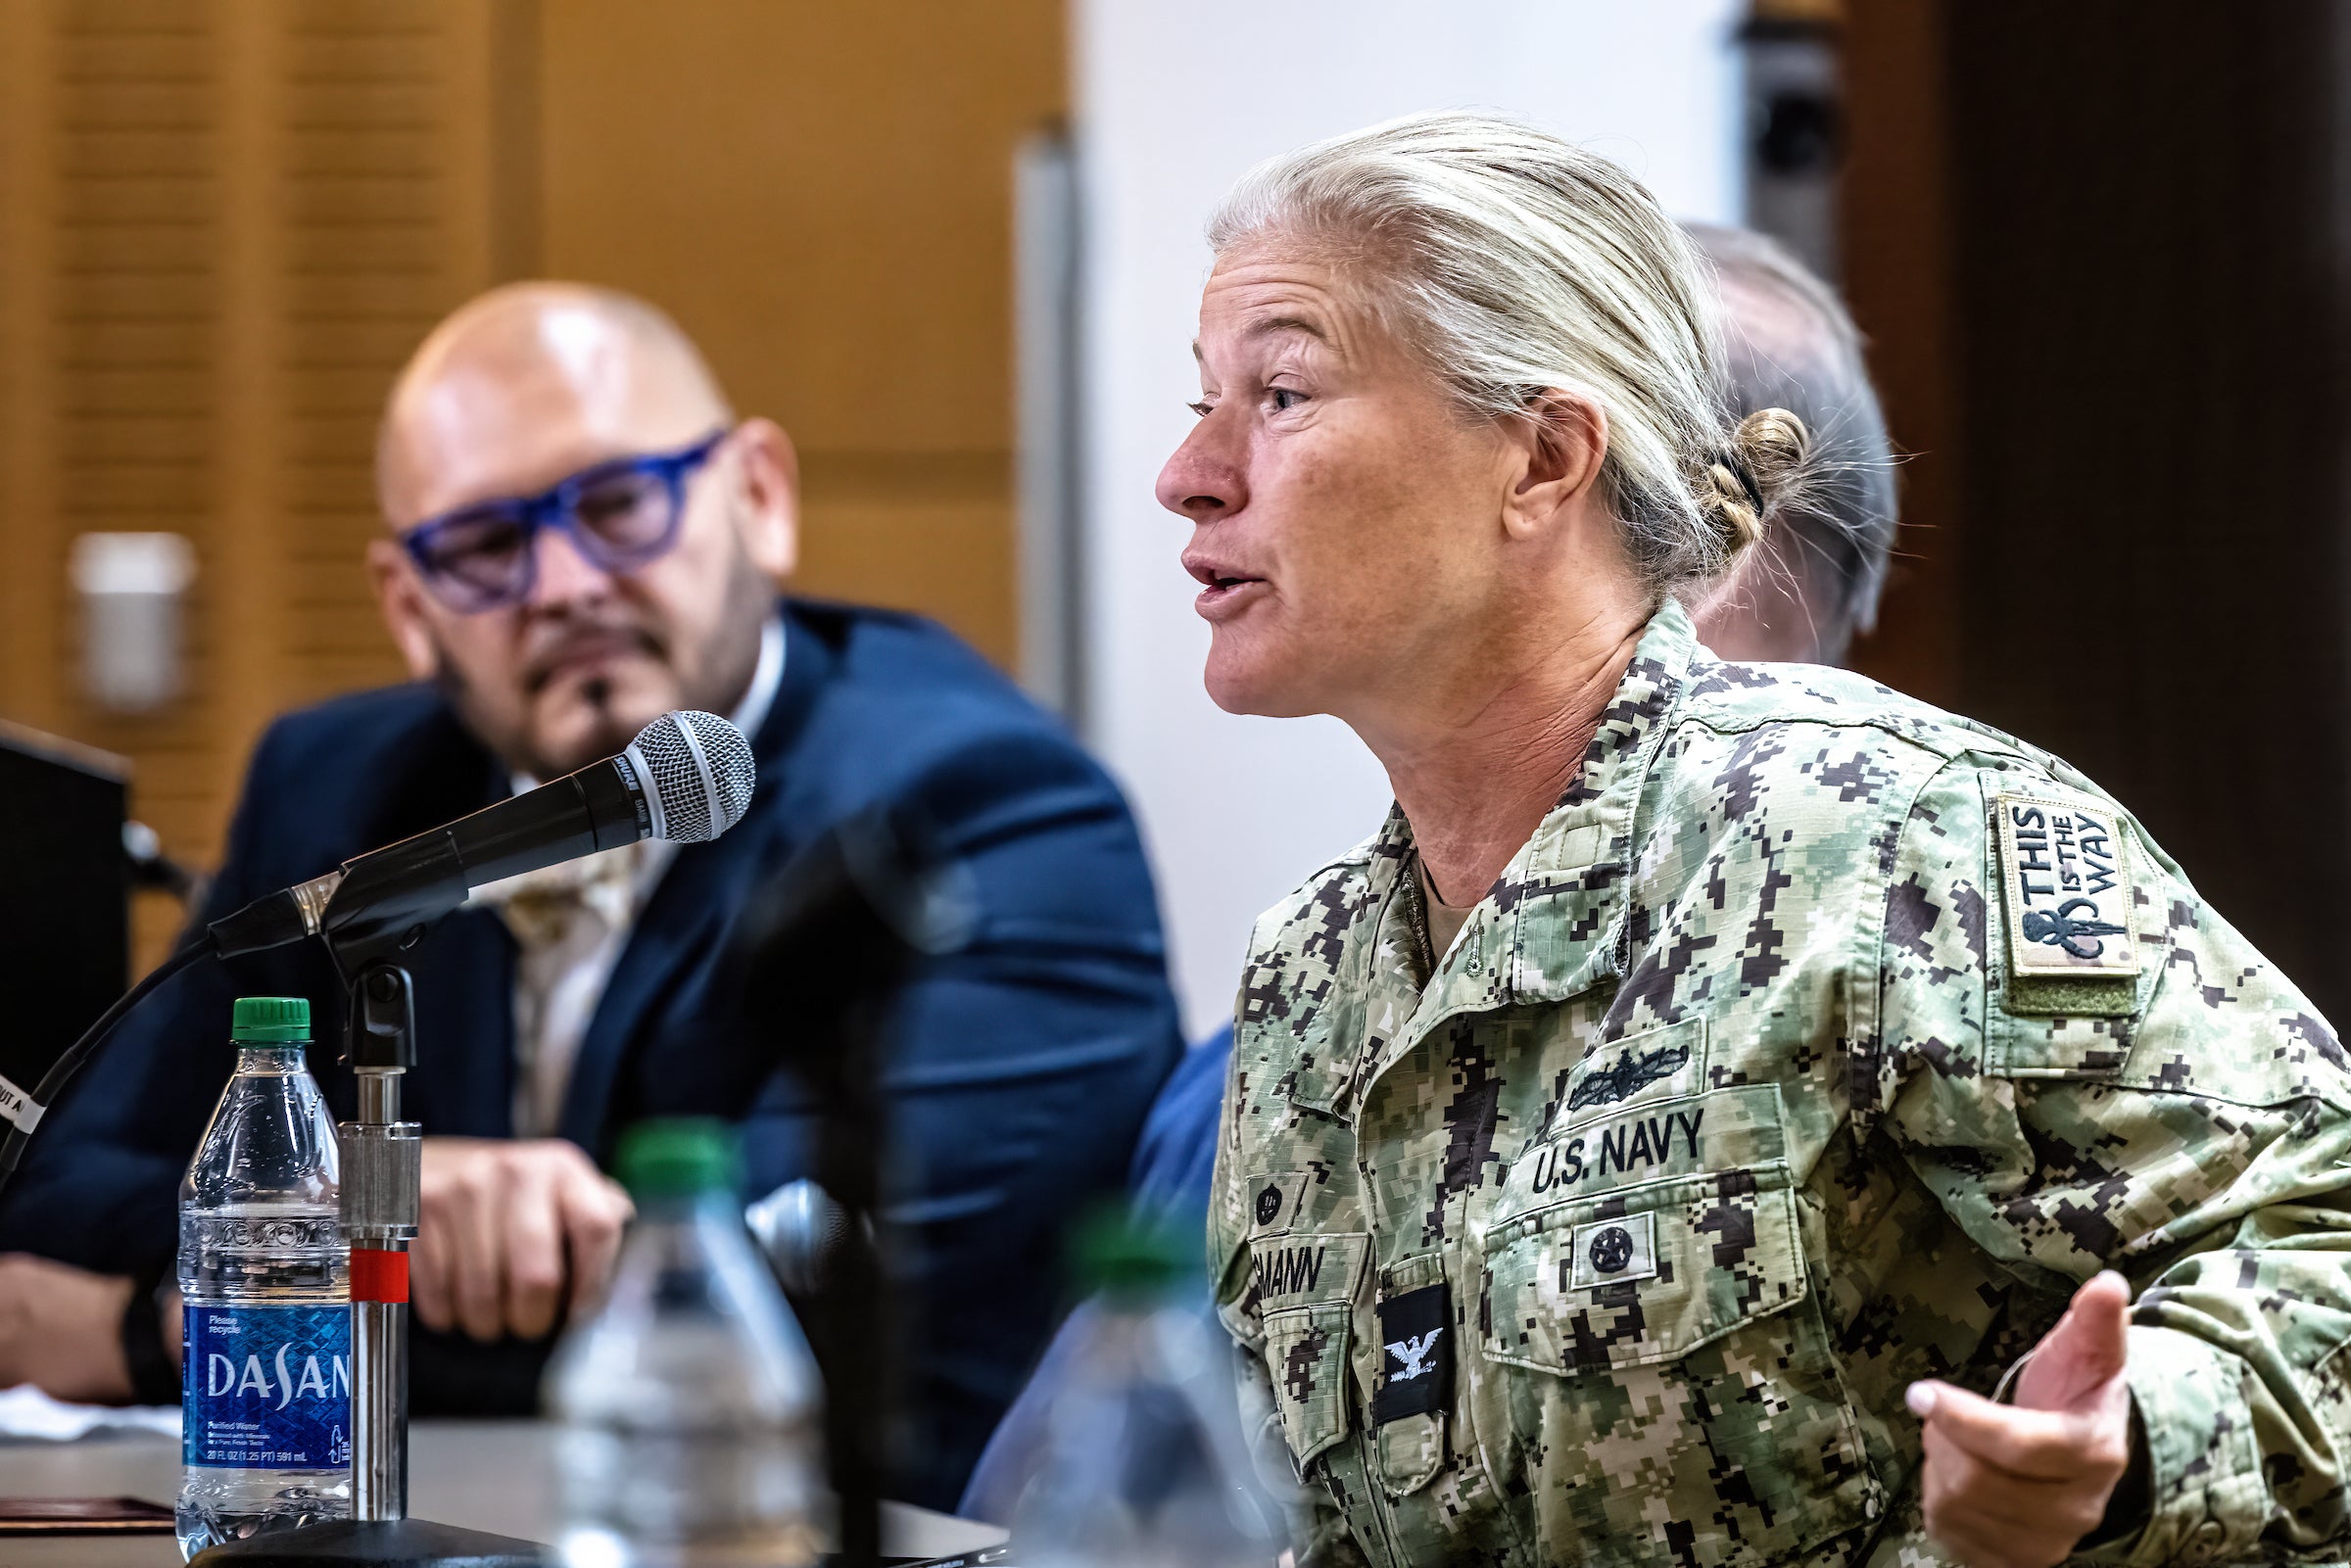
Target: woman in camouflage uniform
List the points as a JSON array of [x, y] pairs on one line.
[[1664, 1140]]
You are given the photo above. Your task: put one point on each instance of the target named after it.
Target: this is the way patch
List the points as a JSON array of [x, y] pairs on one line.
[[2065, 875]]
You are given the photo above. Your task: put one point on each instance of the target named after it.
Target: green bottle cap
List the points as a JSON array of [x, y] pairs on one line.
[[270, 1020], [680, 1156], [1130, 1256]]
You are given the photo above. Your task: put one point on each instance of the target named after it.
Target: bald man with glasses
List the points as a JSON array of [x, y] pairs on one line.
[[583, 535]]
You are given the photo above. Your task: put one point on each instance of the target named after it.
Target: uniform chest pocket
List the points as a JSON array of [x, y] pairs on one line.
[[1646, 1275], [1305, 1287], [1666, 1326]]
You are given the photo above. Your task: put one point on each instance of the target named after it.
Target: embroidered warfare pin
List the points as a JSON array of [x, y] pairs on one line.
[[1630, 1077], [2066, 879]]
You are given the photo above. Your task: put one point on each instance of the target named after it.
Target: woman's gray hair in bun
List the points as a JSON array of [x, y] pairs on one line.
[[1515, 264]]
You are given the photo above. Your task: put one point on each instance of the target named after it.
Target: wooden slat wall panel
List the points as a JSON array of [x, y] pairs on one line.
[[224, 224], [821, 194], [135, 335], [365, 186], [28, 199], [2120, 251]]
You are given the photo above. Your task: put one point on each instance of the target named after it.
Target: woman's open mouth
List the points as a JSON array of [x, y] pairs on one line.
[[1224, 590]]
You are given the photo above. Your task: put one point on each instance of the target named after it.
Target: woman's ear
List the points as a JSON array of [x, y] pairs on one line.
[[1559, 443]]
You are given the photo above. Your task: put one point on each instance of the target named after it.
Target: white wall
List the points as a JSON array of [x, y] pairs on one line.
[[1174, 101]]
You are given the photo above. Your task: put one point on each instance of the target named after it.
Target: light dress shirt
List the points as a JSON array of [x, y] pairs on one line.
[[570, 923]]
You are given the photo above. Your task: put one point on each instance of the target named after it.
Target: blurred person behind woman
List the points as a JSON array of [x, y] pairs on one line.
[[1814, 580], [1659, 1142]]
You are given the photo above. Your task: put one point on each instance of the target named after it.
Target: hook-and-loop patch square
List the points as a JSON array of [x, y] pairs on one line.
[[1415, 1340], [1611, 1251]]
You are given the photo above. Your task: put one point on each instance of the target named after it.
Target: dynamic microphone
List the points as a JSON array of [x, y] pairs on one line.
[[688, 776]]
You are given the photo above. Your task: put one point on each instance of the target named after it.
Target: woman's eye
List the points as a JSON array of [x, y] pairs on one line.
[[1202, 409], [1285, 399]]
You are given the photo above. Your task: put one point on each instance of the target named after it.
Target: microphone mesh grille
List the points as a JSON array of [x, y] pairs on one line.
[[693, 812]]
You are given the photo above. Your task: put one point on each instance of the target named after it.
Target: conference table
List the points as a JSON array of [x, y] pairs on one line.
[[484, 1475]]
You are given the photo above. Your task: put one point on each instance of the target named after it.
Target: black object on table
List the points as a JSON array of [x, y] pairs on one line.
[[65, 896], [385, 1543], [82, 1516]]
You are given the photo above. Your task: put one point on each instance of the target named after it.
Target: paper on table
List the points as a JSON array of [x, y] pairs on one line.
[[26, 1414]]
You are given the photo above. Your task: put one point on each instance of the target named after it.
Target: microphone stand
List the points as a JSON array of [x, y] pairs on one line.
[[382, 1172], [826, 947]]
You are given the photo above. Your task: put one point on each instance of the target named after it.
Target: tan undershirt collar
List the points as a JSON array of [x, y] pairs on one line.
[[1445, 920]]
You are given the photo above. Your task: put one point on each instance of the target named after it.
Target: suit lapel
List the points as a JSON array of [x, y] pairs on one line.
[[464, 1077], [683, 925]]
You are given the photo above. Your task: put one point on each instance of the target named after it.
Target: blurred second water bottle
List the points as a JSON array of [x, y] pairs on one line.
[[1144, 1463], [689, 1414]]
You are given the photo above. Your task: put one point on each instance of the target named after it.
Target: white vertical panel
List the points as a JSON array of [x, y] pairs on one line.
[[1174, 102], [1045, 313]]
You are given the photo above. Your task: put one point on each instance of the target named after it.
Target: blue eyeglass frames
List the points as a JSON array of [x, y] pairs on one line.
[[620, 515]]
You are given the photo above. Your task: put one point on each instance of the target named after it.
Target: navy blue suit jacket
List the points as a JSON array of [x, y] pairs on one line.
[[1020, 1070]]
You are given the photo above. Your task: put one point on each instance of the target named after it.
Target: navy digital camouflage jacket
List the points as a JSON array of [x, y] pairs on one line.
[[1816, 1042]]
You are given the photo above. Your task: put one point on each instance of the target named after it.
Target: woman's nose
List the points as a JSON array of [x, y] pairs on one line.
[[1200, 481]]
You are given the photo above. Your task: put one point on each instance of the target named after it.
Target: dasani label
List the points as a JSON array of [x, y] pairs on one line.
[[267, 1387]]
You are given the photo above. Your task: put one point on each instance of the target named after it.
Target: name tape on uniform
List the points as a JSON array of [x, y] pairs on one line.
[[1295, 1271], [2065, 875]]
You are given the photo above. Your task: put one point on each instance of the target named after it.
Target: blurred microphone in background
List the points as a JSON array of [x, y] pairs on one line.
[[583, 536], [802, 1230]]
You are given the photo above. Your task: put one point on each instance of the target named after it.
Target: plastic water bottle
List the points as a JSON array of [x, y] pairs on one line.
[[688, 1411], [1145, 1465], [265, 1367]]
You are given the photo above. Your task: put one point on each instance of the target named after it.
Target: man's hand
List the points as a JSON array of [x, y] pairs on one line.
[[62, 1327], [2018, 1486], [509, 1228]]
